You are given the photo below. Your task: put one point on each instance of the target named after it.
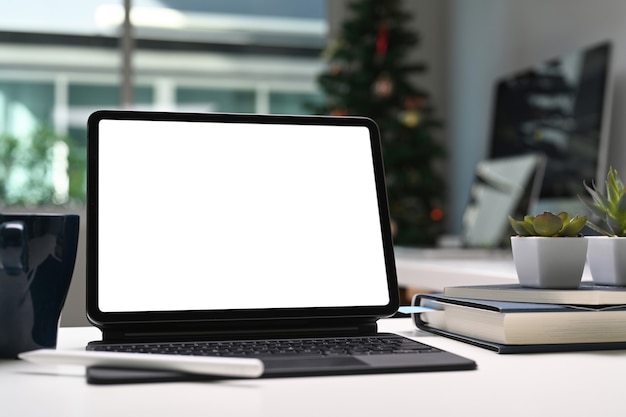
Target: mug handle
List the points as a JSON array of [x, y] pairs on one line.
[[13, 248]]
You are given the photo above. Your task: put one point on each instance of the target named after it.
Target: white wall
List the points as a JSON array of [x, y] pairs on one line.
[[490, 38]]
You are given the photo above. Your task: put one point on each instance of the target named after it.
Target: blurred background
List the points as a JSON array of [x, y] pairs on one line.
[[59, 61]]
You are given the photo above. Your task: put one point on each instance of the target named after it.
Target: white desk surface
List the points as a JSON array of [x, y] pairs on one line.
[[556, 384], [435, 269]]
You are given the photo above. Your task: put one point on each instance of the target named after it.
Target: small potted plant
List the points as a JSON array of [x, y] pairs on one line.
[[606, 253], [549, 251]]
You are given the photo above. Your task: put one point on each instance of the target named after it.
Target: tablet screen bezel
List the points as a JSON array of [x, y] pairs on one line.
[[107, 318]]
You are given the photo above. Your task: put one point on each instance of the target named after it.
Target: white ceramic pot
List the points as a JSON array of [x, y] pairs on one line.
[[606, 257], [549, 262]]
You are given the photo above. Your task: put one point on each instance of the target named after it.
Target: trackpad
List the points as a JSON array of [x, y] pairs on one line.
[[313, 363]]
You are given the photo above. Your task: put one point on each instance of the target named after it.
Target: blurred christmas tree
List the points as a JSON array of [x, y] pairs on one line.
[[368, 75]]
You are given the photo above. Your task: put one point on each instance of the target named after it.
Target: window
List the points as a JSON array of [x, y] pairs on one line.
[[215, 100], [55, 73], [292, 102], [28, 156]]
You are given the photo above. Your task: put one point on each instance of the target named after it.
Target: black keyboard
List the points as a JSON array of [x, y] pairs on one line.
[[383, 344]]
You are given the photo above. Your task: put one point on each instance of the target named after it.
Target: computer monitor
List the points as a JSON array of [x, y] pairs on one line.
[[558, 108]]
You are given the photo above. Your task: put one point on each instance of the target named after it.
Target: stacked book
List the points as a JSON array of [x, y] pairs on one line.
[[512, 319]]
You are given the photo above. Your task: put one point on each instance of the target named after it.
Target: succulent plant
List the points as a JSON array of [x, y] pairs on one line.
[[549, 224], [609, 207]]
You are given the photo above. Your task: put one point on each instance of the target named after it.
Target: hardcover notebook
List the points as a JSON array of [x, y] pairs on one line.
[[587, 293], [514, 327], [243, 227]]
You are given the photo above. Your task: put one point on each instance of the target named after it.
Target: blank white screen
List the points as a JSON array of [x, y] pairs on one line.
[[203, 215]]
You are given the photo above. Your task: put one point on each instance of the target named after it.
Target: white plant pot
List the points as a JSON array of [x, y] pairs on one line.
[[549, 262], [606, 257]]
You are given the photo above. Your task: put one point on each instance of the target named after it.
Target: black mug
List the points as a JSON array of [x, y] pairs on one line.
[[37, 257]]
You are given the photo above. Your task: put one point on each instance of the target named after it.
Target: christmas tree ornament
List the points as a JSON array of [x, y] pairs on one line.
[[382, 39], [333, 47], [383, 86], [335, 69], [338, 112], [413, 102], [437, 214], [410, 102], [410, 118]]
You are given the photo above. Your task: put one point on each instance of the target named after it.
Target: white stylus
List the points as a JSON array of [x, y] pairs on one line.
[[205, 365]]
